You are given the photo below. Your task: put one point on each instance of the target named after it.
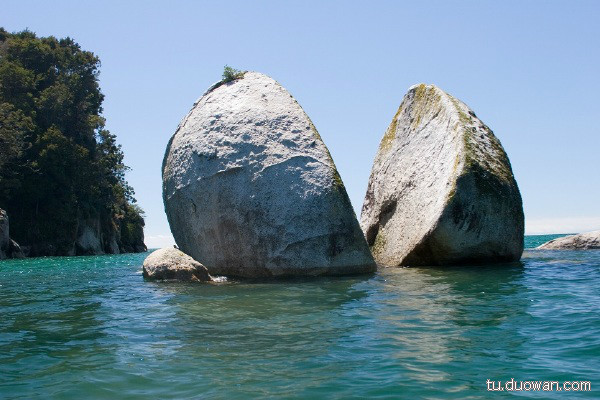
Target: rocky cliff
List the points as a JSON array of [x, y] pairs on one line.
[[4, 234], [8, 247], [89, 236]]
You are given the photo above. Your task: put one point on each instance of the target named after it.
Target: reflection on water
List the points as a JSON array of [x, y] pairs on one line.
[[446, 321], [92, 327], [270, 333]]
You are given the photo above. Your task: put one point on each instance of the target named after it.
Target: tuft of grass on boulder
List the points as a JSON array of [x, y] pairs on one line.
[[231, 74]]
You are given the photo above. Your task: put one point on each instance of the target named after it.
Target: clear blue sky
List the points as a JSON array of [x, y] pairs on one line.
[[529, 69]]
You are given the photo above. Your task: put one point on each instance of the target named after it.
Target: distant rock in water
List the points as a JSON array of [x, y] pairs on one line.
[[441, 189], [250, 188], [582, 241], [173, 264]]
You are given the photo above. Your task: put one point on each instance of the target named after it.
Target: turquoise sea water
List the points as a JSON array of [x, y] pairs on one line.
[[90, 327]]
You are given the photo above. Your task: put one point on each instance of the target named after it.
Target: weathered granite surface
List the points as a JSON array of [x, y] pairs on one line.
[[250, 188], [441, 189], [173, 264], [582, 241]]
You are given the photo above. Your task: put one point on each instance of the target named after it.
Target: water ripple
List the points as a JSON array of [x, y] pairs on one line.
[[91, 327]]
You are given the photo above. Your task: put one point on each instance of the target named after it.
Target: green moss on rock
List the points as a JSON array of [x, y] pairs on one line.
[[379, 243], [390, 133], [497, 162], [426, 100]]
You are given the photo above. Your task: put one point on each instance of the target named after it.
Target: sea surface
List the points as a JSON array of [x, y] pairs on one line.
[[91, 327]]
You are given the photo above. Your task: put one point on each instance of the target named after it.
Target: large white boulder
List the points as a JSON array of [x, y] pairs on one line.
[[250, 188], [441, 189], [582, 241]]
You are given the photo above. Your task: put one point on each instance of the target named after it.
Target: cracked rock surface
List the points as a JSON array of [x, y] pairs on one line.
[[441, 190], [250, 188]]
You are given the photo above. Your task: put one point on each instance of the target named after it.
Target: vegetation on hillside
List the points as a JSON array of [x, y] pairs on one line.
[[59, 166]]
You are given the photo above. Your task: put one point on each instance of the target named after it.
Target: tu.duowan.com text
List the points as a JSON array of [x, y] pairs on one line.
[[513, 385]]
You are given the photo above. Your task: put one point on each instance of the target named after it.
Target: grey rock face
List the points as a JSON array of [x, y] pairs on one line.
[[582, 241], [89, 238], [441, 189], [250, 188], [112, 247], [8, 247], [173, 264], [4, 235], [14, 250]]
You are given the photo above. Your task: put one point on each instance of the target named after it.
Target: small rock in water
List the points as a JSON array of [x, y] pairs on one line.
[[441, 189], [173, 264], [582, 241]]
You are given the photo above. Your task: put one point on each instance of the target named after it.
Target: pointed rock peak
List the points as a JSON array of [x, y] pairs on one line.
[[425, 88]]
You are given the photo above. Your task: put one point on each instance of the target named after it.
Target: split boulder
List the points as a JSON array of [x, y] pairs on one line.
[[441, 190], [250, 188]]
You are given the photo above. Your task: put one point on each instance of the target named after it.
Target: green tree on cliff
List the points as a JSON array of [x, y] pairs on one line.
[[58, 164]]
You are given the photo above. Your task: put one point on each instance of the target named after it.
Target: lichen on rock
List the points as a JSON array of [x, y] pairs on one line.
[[441, 190]]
